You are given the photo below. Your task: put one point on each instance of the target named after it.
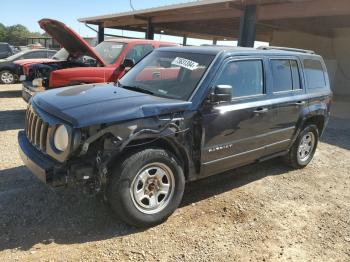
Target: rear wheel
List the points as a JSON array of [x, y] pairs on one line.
[[146, 187], [7, 77], [303, 150]]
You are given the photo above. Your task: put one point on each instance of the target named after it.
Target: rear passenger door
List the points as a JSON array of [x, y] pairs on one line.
[[288, 100]]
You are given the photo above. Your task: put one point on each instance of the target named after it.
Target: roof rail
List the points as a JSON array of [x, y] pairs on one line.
[[286, 49]]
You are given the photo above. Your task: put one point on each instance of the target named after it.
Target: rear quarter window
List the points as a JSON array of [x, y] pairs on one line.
[[315, 75]]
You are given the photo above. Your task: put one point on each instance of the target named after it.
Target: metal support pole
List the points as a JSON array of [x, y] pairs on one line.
[[247, 29], [101, 34], [215, 41], [184, 40], [150, 29]]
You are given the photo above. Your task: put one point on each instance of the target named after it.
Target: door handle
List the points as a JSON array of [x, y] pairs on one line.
[[261, 110], [300, 103]]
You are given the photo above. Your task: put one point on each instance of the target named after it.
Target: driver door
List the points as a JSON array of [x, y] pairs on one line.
[[236, 133]]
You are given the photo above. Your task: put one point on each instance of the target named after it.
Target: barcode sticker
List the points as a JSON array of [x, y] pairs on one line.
[[185, 63]]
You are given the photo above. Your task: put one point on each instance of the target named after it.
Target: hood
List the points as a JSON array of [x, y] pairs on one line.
[[24, 62], [88, 105], [69, 39]]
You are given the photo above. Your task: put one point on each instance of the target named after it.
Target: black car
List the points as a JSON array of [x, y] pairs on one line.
[[5, 50], [9, 70], [181, 114]]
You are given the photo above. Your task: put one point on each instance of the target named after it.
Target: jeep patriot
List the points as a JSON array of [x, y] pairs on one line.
[[180, 114]]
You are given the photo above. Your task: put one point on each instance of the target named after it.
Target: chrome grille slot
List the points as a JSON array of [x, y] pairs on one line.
[[38, 125], [33, 125], [43, 135], [36, 129]]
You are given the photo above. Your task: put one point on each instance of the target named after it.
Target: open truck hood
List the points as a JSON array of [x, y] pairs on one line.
[[69, 39]]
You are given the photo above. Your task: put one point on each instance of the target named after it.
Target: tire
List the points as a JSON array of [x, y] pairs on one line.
[[304, 148], [145, 188], [7, 77]]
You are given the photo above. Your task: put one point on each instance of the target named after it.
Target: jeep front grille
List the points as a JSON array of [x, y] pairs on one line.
[[36, 129]]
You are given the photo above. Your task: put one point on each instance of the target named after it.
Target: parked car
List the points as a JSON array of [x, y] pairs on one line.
[[138, 141], [9, 70], [5, 50], [61, 55], [105, 60]]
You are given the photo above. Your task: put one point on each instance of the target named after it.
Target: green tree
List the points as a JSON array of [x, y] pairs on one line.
[[2, 32], [17, 35]]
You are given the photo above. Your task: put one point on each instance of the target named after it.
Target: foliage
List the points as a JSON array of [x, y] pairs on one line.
[[16, 34]]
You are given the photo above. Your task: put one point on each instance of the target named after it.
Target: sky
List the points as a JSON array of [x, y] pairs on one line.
[[29, 12]]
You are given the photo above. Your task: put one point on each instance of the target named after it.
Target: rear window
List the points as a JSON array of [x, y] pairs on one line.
[[314, 74]]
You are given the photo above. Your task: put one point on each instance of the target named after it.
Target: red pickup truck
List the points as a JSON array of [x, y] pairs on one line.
[[85, 64]]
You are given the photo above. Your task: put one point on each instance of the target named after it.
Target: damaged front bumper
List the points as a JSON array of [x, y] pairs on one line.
[[50, 171], [39, 164]]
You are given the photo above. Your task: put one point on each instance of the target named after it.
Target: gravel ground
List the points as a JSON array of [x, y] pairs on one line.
[[264, 212]]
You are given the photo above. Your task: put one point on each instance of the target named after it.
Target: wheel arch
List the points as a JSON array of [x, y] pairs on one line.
[[317, 120], [165, 143]]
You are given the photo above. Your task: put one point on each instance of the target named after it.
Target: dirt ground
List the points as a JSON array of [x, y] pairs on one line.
[[262, 212]]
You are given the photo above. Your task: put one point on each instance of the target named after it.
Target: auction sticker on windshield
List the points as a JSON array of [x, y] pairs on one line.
[[185, 63]]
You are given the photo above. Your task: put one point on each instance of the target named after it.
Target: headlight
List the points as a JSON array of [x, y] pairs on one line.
[[37, 82], [61, 138]]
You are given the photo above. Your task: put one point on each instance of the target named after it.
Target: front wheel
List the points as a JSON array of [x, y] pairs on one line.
[[304, 148], [7, 77], [146, 187]]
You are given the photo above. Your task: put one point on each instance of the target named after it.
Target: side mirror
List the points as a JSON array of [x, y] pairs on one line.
[[222, 93], [128, 63]]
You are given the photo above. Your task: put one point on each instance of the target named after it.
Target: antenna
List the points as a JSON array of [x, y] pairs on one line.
[[131, 5]]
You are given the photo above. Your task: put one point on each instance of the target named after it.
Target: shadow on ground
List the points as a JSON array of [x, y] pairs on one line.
[[337, 133], [12, 119], [10, 94], [32, 213]]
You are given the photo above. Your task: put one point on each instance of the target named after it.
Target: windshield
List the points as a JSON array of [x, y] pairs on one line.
[[109, 51], [62, 54], [168, 74]]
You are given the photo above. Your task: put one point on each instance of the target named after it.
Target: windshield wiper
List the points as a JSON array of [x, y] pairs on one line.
[[136, 88]]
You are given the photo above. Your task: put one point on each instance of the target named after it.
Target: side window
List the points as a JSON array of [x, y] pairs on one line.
[[39, 54], [245, 77], [282, 75], [285, 73], [139, 51], [314, 74], [50, 54]]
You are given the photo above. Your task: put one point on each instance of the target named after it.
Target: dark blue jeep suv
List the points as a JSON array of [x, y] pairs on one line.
[[180, 114]]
